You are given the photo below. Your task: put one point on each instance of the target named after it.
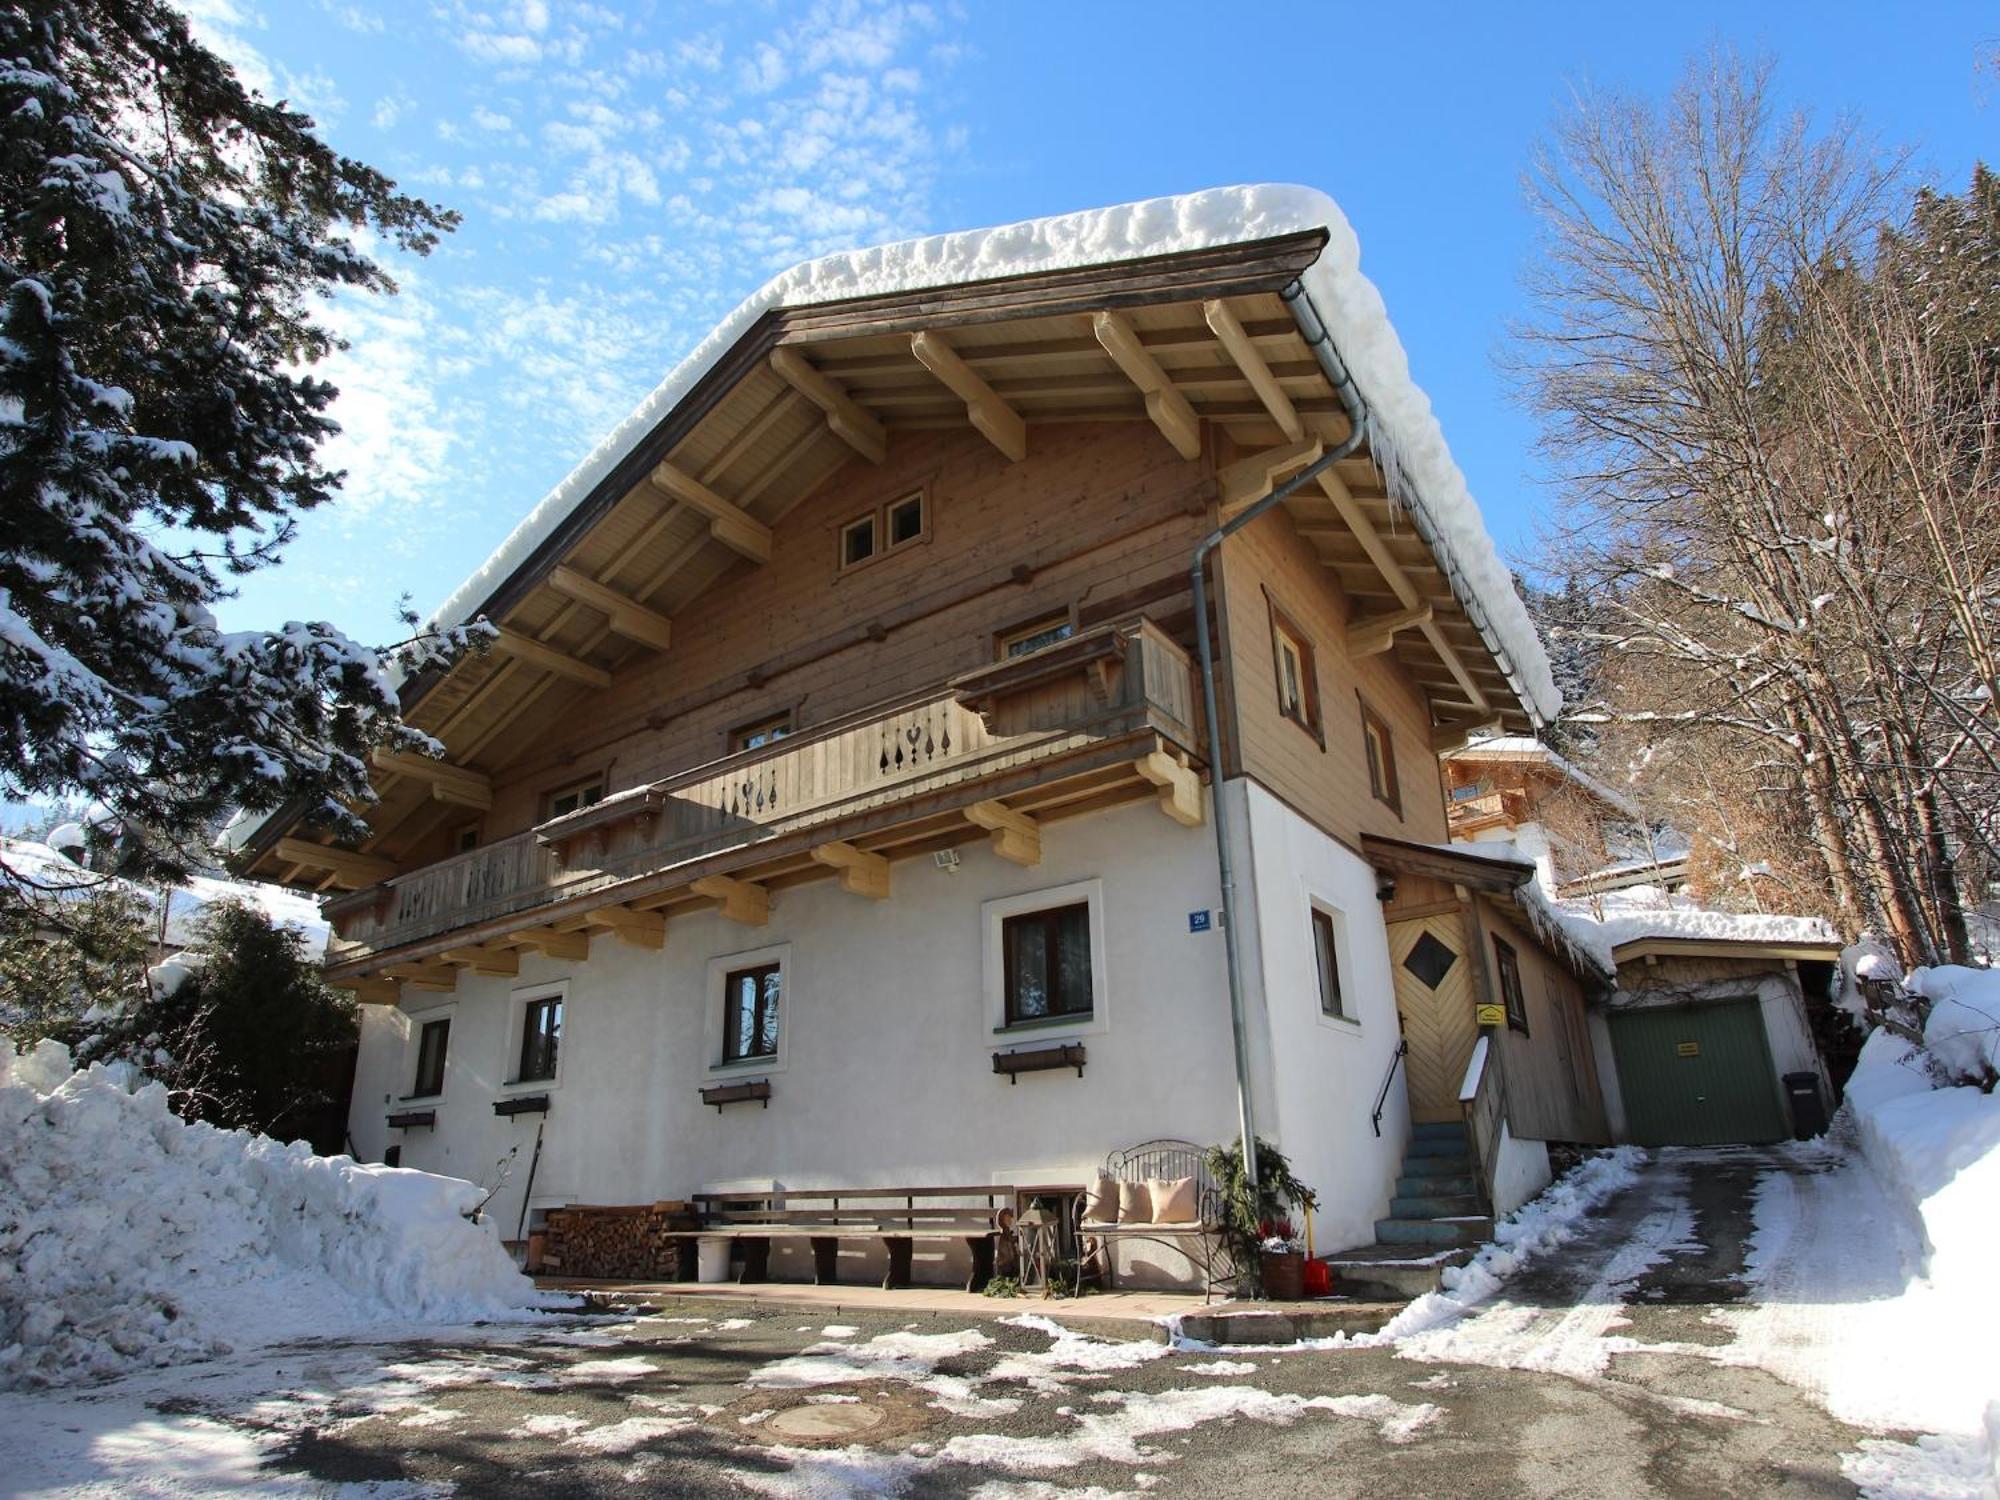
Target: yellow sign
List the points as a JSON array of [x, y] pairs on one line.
[[1492, 1015], [1689, 1049]]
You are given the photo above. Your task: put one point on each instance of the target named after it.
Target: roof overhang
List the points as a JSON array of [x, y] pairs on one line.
[[1748, 950]]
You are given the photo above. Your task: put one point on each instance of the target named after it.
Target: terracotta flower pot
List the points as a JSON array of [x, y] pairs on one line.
[[1284, 1275]]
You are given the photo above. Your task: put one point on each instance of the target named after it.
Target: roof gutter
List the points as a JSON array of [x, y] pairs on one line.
[[1357, 416]]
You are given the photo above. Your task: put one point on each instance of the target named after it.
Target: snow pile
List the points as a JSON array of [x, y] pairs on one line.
[[1937, 1151], [129, 1237]]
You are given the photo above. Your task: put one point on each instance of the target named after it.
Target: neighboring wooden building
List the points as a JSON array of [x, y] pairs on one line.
[[835, 807]]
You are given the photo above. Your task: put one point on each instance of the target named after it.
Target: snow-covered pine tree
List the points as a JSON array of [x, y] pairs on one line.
[[164, 235]]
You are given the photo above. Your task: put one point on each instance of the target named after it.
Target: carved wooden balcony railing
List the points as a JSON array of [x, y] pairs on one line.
[[1048, 711]]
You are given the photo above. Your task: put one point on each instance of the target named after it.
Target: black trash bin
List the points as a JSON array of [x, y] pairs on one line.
[[1808, 1108]]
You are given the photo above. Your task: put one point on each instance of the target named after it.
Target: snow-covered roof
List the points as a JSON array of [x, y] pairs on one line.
[[1621, 918], [1403, 432], [1521, 747], [185, 904]]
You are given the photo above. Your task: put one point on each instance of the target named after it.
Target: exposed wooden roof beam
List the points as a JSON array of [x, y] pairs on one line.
[[1371, 635], [642, 929], [861, 873], [1451, 734], [1229, 333], [998, 422], [626, 616], [549, 942], [438, 977], [1248, 480], [1167, 407], [448, 783], [354, 871], [1180, 788], [729, 524], [482, 959], [531, 652], [741, 900], [844, 415], [1016, 836]]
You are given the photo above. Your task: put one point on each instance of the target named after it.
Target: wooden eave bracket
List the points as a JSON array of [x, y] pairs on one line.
[[728, 523], [641, 929], [440, 977], [1371, 635], [1165, 406], [741, 900], [1016, 837], [625, 616], [481, 958], [368, 989], [533, 653], [861, 873], [448, 783], [550, 942], [1180, 787], [348, 867], [845, 417], [993, 418], [1243, 483], [1231, 335]]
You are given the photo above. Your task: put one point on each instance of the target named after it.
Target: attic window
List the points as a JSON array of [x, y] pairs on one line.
[[1297, 675], [1380, 747], [857, 541], [761, 733], [1034, 635], [906, 520]]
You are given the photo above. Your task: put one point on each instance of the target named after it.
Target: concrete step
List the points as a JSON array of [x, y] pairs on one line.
[[1438, 1145], [1468, 1230], [1436, 1166], [1434, 1206], [1443, 1130], [1392, 1271], [1424, 1186]]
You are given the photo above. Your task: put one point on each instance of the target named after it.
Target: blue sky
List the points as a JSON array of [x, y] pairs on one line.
[[630, 169]]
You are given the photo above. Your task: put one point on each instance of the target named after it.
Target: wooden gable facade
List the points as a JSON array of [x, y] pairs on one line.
[[907, 571]]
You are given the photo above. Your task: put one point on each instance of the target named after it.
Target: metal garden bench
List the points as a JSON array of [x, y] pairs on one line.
[[1201, 1239]]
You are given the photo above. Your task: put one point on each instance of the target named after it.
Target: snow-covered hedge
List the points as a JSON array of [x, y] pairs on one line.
[[131, 1237], [1937, 1149]]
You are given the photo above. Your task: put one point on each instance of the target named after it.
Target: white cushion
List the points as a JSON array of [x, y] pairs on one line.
[[1173, 1200], [1135, 1203]]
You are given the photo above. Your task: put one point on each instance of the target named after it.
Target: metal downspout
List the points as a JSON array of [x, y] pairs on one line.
[[1321, 343]]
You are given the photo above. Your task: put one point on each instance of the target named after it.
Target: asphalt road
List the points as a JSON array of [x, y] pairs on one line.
[[686, 1401]]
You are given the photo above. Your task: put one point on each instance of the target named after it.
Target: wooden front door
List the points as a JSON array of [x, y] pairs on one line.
[[1434, 995]]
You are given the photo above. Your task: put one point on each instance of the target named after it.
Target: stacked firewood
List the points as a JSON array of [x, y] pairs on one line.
[[637, 1243]]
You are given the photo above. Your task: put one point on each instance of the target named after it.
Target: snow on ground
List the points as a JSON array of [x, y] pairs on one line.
[[129, 1237]]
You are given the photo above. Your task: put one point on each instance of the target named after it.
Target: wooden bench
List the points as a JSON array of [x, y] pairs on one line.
[[1200, 1239], [898, 1217]]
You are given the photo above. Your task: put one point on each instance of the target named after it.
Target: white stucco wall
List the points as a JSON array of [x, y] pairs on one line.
[[886, 1076], [1521, 1169], [1318, 1076], [1778, 996]]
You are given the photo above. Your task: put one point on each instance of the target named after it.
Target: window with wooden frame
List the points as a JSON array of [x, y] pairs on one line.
[[433, 1037], [1046, 964], [760, 732], [888, 528], [1033, 635], [541, 1037], [1507, 964], [1379, 745], [1326, 960], [1297, 674], [578, 794], [750, 1005]]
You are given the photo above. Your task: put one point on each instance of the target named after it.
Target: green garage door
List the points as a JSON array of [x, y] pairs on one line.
[[1697, 1075]]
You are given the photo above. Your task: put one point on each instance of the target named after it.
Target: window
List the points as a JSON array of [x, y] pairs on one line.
[[1298, 680], [432, 1039], [762, 732], [1380, 748], [1046, 957], [1033, 636], [466, 839], [750, 1012], [1509, 966], [1326, 956], [541, 1034], [886, 529], [857, 541], [905, 520], [579, 795]]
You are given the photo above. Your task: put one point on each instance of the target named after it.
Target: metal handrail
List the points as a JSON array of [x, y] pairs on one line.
[[1382, 1094]]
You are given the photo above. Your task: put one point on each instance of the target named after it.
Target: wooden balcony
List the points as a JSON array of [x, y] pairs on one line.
[[1104, 717]]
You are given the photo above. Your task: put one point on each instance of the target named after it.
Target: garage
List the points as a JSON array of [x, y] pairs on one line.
[[1697, 1075]]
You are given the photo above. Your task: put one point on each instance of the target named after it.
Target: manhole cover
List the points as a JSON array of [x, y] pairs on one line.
[[829, 1420]]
